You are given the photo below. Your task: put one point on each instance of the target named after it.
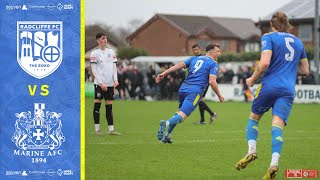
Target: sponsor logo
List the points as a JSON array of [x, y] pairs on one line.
[[60, 6], [59, 172], [301, 173], [35, 172], [51, 172], [37, 6], [24, 7], [67, 172], [51, 6], [68, 6], [13, 173], [24, 173], [13, 7], [263, 44]]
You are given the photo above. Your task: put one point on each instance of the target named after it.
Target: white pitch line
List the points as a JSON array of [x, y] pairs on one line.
[[198, 141], [215, 132]]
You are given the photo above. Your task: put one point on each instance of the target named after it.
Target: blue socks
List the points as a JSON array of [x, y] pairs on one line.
[[173, 121], [170, 128], [277, 139], [252, 130]]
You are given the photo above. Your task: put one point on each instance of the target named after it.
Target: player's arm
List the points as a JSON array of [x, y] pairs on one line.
[[303, 68], [115, 75], [115, 70], [263, 65], [94, 68], [214, 85], [170, 70], [261, 68], [266, 46]]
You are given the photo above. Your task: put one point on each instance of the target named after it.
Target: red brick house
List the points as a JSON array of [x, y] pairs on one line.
[[174, 35], [301, 17]]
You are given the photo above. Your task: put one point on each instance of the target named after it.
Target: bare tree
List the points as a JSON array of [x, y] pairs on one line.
[[123, 32]]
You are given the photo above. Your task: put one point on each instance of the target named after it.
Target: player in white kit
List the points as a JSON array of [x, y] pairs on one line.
[[103, 63]]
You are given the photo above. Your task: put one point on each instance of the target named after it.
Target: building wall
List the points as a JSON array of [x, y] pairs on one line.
[[226, 45], [161, 39], [202, 40], [233, 46]]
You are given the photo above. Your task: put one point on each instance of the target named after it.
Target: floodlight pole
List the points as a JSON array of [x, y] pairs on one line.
[[316, 41]]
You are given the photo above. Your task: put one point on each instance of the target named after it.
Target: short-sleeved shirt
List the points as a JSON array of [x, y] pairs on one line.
[[287, 51], [200, 68], [104, 60]]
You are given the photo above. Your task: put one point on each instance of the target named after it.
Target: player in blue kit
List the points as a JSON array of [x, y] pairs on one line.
[[202, 70], [202, 105], [283, 58]]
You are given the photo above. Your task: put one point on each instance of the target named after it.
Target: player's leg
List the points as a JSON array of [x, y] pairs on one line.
[[189, 104], [264, 100], [171, 124], [96, 108], [201, 109], [252, 135], [277, 142], [281, 112], [213, 115], [207, 108], [109, 96], [173, 121], [164, 124]]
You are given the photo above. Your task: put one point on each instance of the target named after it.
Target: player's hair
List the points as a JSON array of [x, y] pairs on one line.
[[280, 22], [195, 45], [99, 35], [212, 46]]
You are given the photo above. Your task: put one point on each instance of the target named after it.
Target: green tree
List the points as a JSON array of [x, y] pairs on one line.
[[228, 57], [245, 56], [130, 52], [249, 56]]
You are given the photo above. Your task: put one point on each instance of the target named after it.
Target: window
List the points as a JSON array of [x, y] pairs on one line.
[[305, 32], [224, 45], [251, 46], [203, 43]]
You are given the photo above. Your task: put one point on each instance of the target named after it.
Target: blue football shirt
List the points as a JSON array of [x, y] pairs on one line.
[[287, 51], [199, 67]]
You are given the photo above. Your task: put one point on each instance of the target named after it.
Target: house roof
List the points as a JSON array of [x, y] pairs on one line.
[[91, 32], [195, 24], [218, 26], [296, 9], [243, 28]]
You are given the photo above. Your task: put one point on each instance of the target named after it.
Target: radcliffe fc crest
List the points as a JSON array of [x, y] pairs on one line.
[[41, 132], [39, 47]]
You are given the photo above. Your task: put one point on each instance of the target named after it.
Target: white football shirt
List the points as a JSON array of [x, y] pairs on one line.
[[103, 66]]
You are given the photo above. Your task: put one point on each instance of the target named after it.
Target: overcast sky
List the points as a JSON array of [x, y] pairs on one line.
[[118, 13]]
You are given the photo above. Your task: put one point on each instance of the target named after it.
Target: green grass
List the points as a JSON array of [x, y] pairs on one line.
[[198, 151]]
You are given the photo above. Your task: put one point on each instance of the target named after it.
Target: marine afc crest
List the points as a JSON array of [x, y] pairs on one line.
[[39, 47], [44, 131]]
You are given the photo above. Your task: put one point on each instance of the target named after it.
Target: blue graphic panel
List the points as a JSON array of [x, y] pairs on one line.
[[40, 89]]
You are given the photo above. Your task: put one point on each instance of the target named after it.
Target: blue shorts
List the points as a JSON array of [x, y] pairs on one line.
[[188, 101], [266, 97]]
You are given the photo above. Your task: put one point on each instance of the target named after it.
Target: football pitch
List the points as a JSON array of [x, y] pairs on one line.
[[198, 151]]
